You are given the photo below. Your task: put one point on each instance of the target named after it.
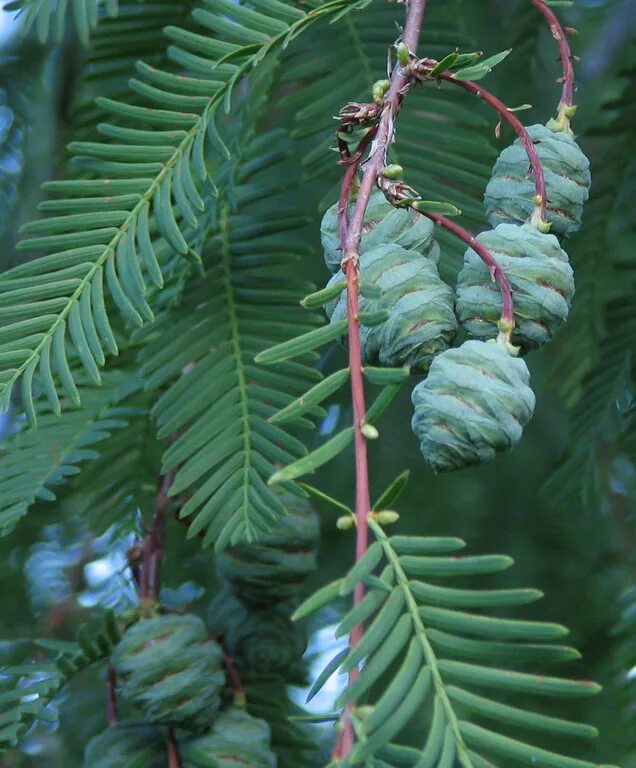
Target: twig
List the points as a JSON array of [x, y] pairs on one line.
[[234, 680], [538, 215], [173, 755], [150, 581], [566, 105], [507, 322], [351, 234], [112, 712]]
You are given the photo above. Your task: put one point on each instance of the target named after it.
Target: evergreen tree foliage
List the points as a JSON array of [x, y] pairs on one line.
[[221, 543]]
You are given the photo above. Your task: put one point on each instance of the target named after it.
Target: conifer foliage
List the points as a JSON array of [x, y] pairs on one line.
[[170, 375]]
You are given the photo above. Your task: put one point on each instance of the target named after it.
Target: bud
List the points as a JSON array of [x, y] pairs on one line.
[[364, 711], [403, 54], [345, 523], [393, 171], [570, 110], [537, 200], [379, 89], [369, 431], [509, 196], [541, 279], [473, 405], [386, 517]]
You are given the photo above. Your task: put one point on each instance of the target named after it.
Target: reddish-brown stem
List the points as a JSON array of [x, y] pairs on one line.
[[112, 712], [234, 679], [519, 128], [150, 581], [497, 273], [565, 55], [351, 234], [173, 755], [352, 163]]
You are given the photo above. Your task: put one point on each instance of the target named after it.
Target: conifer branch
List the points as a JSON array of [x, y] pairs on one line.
[[351, 234]]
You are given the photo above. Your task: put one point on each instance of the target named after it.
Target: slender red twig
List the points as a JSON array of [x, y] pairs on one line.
[[351, 234], [565, 55], [533, 157], [173, 755], [112, 712], [234, 679], [150, 581], [497, 273]]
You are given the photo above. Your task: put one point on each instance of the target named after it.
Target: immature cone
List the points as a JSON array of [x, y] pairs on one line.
[[421, 319], [275, 567], [510, 191], [237, 739], [125, 745], [262, 641], [172, 670], [473, 405], [541, 278], [383, 223]]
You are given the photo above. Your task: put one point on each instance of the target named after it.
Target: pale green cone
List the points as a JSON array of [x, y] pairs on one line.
[[127, 744], [421, 320], [541, 278], [275, 567], [473, 405], [237, 739], [172, 670], [510, 191], [383, 223]]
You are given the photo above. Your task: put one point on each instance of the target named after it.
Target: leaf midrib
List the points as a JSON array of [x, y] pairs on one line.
[[427, 649], [253, 57]]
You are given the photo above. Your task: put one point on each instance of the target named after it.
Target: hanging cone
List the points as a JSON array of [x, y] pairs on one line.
[[509, 193], [472, 406]]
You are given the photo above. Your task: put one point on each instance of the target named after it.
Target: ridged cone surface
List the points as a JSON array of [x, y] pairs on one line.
[[237, 739], [172, 670], [259, 640], [541, 278], [383, 223], [127, 744], [421, 319], [474, 404], [275, 567], [509, 193]]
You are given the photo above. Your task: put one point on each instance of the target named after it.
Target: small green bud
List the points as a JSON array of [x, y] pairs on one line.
[[393, 171], [345, 523], [570, 110], [386, 517], [543, 226], [364, 711], [379, 89], [537, 200], [369, 431], [403, 54]]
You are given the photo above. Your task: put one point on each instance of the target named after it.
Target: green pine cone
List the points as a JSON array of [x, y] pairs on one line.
[[127, 745], [422, 320], [259, 640], [383, 223], [541, 278], [509, 193], [172, 670], [237, 739], [472, 406], [274, 568]]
